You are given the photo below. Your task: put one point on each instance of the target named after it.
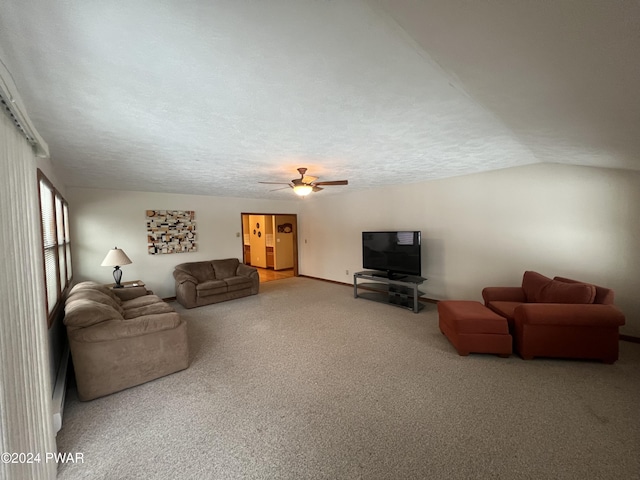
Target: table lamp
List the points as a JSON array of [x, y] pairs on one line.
[[115, 258]]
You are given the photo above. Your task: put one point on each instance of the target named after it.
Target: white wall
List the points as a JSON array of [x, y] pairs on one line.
[[486, 229], [477, 230], [103, 219]]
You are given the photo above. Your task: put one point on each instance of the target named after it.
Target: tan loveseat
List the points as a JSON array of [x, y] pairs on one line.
[[213, 281], [117, 344]]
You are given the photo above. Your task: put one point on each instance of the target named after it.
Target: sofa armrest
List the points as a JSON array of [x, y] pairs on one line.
[[252, 273], [182, 277], [117, 329], [186, 293], [503, 294], [569, 314], [246, 270]]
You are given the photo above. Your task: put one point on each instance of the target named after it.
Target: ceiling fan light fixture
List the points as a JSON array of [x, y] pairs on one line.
[[306, 184], [302, 190]]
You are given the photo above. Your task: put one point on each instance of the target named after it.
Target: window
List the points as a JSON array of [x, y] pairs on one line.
[[56, 244]]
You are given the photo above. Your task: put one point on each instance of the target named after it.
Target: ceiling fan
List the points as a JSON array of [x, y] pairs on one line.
[[306, 184]]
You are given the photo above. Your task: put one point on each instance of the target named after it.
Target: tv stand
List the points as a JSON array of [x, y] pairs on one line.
[[395, 276], [401, 291], [389, 275]]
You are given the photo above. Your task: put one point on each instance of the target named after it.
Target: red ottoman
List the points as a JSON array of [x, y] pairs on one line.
[[472, 327]]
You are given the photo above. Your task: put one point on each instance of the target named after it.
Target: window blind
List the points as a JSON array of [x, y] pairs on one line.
[[67, 242], [47, 215], [56, 243], [62, 264]]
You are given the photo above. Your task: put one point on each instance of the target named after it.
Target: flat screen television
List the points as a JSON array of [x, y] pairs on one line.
[[395, 254]]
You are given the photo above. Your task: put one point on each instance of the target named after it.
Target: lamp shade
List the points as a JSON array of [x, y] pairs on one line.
[[115, 258]]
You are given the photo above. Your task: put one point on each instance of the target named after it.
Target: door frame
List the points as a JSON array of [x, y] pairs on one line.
[[295, 235]]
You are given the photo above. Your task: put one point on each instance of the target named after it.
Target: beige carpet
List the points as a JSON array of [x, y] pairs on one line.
[[305, 382]]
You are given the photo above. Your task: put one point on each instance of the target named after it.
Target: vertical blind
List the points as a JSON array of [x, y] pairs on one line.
[[25, 387]]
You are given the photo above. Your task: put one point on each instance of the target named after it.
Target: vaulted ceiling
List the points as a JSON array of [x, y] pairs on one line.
[[211, 96]]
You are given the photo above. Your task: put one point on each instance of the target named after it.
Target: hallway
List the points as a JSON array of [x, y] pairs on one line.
[[268, 274]]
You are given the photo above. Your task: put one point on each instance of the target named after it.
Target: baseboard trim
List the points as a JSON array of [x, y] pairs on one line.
[[328, 281], [422, 299], [429, 300], [60, 390], [630, 338], [625, 338]]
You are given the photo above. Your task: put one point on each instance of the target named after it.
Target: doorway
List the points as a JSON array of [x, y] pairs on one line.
[[270, 244]]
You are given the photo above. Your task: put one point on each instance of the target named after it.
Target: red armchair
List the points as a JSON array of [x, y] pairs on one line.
[[559, 317]]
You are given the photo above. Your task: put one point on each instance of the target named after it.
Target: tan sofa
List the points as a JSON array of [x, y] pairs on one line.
[[117, 344], [213, 281]]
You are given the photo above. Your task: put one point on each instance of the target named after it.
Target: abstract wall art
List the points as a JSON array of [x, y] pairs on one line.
[[171, 231]]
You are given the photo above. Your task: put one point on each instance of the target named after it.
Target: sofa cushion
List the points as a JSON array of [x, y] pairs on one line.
[[532, 284], [505, 309], [561, 292], [212, 287], [141, 301], [114, 330], [225, 268], [604, 296], [202, 271], [84, 313], [152, 309], [96, 296], [95, 286], [237, 283]]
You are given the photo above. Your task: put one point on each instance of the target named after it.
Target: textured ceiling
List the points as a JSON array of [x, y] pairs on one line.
[[210, 97]]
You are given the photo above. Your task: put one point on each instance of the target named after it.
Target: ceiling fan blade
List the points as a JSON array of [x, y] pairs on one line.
[[283, 188], [335, 182], [309, 179], [317, 189], [275, 183]]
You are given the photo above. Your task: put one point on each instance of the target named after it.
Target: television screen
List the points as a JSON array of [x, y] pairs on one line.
[[392, 252]]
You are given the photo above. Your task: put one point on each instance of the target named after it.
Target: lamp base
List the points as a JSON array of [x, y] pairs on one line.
[[117, 276]]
